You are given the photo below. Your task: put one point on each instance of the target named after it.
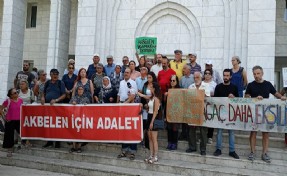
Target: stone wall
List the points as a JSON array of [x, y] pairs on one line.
[[281, 29]]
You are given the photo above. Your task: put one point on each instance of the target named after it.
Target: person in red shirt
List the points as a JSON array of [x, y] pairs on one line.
[[164, 75]]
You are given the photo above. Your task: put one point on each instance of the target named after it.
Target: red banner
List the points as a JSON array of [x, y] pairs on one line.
[[119, 123]]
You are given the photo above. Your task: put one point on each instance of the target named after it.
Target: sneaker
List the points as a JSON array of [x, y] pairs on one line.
[[209, 141], [266, 158], [234, 155], [251, 156], [72, 150], [173, 147], [217, 152], [79, 150]]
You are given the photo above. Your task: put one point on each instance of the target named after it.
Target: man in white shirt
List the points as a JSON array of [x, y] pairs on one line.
[[157, 67], [128, 88], [127, 92], [198, 84]]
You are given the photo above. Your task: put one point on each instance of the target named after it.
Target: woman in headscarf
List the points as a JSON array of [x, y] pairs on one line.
[[107, 93]]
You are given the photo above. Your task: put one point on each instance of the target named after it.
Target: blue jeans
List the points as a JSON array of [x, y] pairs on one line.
[[231, 140], [132, 148]]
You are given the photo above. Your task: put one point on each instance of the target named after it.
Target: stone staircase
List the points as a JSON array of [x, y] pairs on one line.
[[101, 159]]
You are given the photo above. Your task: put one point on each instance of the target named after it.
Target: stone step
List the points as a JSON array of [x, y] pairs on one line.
[[184, 164], [71, 166], [242, 139]]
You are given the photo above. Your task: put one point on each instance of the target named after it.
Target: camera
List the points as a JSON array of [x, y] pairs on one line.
[[129, 85]]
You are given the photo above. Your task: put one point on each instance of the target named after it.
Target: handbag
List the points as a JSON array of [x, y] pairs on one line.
[[3, 117], [158, 122]]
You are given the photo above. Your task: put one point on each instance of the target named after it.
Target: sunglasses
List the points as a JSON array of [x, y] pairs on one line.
[[173, 80], [207, 73]]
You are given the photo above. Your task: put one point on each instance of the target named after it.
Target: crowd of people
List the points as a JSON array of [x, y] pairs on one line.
[[148, 84]]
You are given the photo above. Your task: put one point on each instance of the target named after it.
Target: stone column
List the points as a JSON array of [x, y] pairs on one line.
[[59, 30], [12, 40]]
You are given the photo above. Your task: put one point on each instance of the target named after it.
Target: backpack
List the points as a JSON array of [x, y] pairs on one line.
[[3, 117]]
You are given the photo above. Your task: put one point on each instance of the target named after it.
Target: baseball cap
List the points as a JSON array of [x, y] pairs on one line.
[[177, 51], [208, 62], [109, 57], [54, 70], [96, 54], [192, 54]]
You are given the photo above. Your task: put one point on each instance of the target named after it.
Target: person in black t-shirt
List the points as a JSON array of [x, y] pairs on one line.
[[226, 89], [260, 89]]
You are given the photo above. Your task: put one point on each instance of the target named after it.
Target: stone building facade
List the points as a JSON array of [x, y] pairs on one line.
[[214, 29]]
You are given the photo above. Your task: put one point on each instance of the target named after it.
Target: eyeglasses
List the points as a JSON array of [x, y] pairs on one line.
[[14, 93], [55, 74], [173, 80], [71, 68], [207, 73]]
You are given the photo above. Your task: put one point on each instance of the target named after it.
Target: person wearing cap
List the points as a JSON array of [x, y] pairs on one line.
[[125, 63], [25, 74], [158, 66], [216, 76], [54, 92], [71, 61], [239, 75], [97, 78], [110, 67], [92, 68], [193, 64], [177, 64], [200, 85], [116, 77]]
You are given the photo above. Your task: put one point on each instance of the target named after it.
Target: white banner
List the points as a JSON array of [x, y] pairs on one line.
[[246, 114]]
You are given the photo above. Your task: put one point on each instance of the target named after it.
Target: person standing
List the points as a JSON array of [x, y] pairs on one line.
[[283, 93], [239, 76], [75, 71], [158, 66], [134, 73], [110, 67], [164, 75], [184, 83], [216, 76], [226, 89], [125, 61], [92, 68], [69, 80], [54, 92], [198, 84], [177, 64], [127, 93], [194, 66], [13, 104], [116, 78], [25, 74], [82, 80], [39, 87], [260, 88]]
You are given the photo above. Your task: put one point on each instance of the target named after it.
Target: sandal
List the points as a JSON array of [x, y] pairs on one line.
[[9, 154], [122, 155], [147, 159], [132, 156], [79, 150], [153, 160]]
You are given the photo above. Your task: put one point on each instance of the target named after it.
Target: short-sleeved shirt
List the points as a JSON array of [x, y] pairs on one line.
[[140, 82], [186, 81], [164, 79], [69, 81], [156, 68], [177, 67], [203, 86], [54, 90], [124, 91], [24, 75], [222, 90], [28, 97], [255, 89], [109, 69], [196, 68], [13, 109]]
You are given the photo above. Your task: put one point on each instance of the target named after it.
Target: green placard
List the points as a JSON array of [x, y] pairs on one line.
[[146, 45]]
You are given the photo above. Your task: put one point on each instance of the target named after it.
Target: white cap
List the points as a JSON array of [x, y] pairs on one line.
[[96, 54], [208, 62]]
